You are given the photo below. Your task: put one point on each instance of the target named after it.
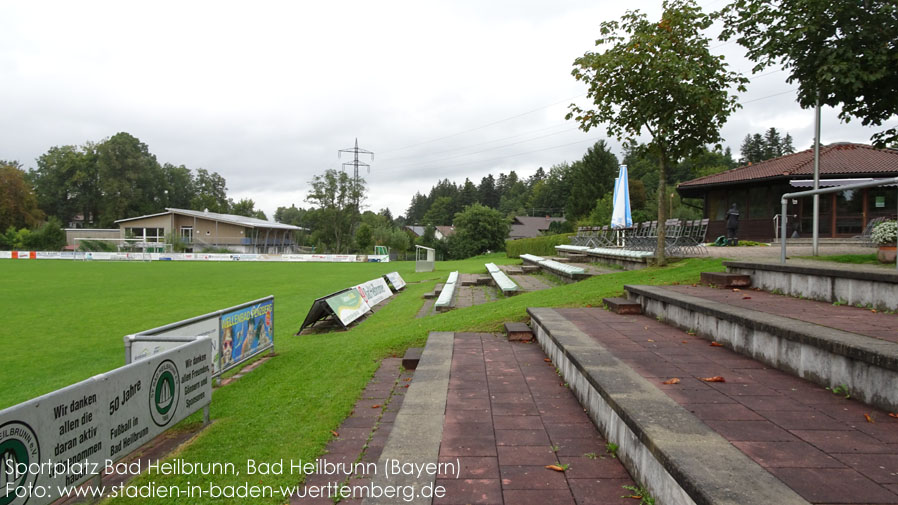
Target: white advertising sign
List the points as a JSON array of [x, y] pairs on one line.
[[396, 280], [61, 439], [374, 291], [141, 349]]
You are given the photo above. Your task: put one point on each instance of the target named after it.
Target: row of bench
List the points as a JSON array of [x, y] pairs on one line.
[[555, 267]]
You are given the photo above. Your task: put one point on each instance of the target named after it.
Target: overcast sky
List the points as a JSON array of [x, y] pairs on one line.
[[266, 93]]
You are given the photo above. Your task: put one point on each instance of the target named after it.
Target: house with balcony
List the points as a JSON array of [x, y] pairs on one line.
[[204, 230]]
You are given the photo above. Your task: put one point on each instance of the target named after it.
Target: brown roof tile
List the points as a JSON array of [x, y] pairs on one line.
[[835, 159]]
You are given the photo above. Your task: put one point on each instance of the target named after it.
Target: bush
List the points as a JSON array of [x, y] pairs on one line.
[[540, 246], [478, 229], [885, 233]]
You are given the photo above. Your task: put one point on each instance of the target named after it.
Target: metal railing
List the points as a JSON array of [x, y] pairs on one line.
[[822, 191]]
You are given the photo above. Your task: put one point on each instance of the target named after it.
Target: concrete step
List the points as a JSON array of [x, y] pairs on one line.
[[411, 358], [433, 294], [829, 345], [518, 332], [752, 435], [726, 280], [529, 269], [623, 305]]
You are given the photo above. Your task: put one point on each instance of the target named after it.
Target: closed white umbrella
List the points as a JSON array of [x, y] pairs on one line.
[[620, 216]]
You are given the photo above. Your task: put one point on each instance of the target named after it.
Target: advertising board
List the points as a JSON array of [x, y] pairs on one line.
[[395, 280], [374, 291], [246, 332], [348, 306], [63, 438]]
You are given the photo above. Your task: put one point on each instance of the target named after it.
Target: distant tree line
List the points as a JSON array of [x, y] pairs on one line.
[[98, 183]]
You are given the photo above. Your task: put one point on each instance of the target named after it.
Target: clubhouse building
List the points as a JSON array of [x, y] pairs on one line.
[[757, 189], [204, 230]]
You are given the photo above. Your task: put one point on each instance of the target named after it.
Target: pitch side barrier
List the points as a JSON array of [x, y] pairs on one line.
[[140, 256], [350, 304], [238, 333], [67, 437]]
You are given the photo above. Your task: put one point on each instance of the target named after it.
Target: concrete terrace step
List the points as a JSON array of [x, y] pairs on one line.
[[518, 332], [502, 281], [826, 281], [805, 338], [623, 306], [760, 437], [727, 280]]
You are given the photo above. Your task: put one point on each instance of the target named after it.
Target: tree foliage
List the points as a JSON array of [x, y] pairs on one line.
[[842, 52], [478, 229], [661, 78], [18, 203], [756, 148], [335, 194]]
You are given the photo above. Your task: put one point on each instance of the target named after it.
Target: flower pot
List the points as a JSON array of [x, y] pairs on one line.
[[886, 254]]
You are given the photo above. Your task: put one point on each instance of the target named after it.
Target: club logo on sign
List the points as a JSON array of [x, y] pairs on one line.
[[18, 448], [164, 391]]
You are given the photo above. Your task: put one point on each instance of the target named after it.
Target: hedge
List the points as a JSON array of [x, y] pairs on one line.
[[540, 246]]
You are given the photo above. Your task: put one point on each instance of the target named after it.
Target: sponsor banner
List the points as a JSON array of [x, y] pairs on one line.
[[378, 258], [374, 291], [65, 437], [348, 306], [51, 255], [24, 255], [396, 280], [246, 332], [5, 255], [203, 326]]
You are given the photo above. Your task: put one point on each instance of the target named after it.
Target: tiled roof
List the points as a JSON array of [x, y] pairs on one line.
[[526, 227], [835, 159]]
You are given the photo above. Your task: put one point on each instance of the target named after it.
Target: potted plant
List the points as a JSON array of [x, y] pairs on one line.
[[885, 235]]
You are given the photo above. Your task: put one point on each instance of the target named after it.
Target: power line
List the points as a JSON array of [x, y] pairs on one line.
[[509, 156], [486, 125], [499, 147], [768, 96]]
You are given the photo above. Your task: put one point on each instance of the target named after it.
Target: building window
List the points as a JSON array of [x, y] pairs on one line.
[[759, 203]]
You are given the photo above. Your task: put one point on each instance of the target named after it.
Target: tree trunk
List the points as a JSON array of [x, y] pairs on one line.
[[662, 206]]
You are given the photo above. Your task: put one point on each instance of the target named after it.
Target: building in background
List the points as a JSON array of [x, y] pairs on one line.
[[529, 227], [207, 231], [757, 190]]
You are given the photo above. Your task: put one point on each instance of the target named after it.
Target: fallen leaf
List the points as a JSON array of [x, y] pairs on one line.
[[646, 327], [716, 378], [868, 418], [892, 414], [334, 433], [873, 311], [547, 360], [588, 306], [672, 381], [555, 467], [375, 406], [408, 380], [716, 344], [634, 496], [736, 290], [649, 340], [684, 342], [676, 283], [746, 298], [406, 385]]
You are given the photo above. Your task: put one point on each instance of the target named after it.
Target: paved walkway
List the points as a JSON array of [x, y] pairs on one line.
[[843, 317], [508, 416], [819, 444]]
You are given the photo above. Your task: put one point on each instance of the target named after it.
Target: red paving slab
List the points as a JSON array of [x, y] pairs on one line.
[[819, 444], [842, 317], [508, 415]]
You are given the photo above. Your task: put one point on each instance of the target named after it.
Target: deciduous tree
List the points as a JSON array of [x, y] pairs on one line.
[[843, 53], [18, 203], [658, 77]]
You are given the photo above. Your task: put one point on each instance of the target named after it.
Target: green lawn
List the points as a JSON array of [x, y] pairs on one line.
[[66, 320]]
